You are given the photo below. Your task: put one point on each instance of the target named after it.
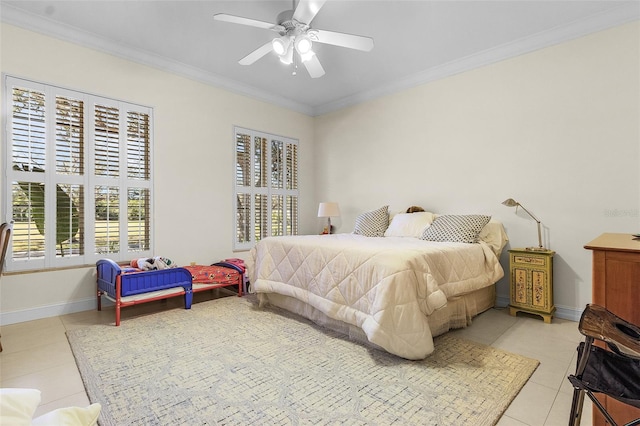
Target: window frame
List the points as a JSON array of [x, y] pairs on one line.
[[88, 180], [287, 226]]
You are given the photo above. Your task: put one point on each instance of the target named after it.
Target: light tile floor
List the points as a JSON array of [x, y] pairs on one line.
[[37, 355]]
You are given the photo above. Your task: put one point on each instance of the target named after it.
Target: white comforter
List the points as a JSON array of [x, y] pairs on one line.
[[385, 286]]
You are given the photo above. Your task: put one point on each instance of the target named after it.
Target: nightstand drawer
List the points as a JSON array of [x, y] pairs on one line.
[[529, 260]]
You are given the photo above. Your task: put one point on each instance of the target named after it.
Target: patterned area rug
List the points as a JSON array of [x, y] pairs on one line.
[[226, 361]]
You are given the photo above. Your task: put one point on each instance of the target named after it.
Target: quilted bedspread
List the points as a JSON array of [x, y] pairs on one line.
[[385, 286]]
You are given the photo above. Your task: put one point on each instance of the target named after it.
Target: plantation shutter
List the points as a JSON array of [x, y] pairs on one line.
[[266, 187], [78, 177], [107, 229], [138, 224], [138, 149], [292, 187], [28, 149], [28, 129], [69, 136], [243, 188], [292, 215], [107, 141], [69, 162], [260, 220]]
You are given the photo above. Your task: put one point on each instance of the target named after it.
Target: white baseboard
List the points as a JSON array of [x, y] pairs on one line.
[[564, 312], [40, 312], [31, 314]]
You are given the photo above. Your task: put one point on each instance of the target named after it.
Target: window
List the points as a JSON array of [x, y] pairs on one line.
[[78, 177], [266, 187]]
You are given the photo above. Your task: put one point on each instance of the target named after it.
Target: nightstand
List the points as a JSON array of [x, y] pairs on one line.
[[531, 282]]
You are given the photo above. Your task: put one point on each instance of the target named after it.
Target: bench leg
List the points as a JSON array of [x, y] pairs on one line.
[[188, 299]]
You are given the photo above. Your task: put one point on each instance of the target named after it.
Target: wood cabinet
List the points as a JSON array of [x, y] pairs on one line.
[[616, 286], [531, 282]]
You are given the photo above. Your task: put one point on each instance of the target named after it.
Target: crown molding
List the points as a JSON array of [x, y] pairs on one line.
[[576, 29], [32, 22], [579, 28]]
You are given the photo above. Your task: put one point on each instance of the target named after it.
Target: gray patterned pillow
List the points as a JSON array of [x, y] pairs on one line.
[[456, 228], [373, 223]]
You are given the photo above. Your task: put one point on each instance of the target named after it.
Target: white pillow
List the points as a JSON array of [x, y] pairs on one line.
[[409, 224], [87, 416], [18, 405]]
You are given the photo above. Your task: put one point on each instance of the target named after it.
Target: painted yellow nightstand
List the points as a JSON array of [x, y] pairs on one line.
[[531, 282]]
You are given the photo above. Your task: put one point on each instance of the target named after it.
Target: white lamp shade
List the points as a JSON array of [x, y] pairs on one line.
[[303, 44], [280, 45], [287, 58], [328, 210]]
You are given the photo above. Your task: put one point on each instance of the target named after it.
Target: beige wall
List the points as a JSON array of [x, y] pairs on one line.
[[193, 153], [556, 129]]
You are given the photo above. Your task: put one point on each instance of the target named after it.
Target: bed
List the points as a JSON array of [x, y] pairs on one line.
[[390, 288]]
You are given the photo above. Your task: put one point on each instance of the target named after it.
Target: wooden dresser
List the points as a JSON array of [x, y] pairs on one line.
[[616, 286]]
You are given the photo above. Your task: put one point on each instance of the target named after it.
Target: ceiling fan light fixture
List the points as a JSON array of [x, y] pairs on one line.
[[287, 58], [303, 44], [280, 45]]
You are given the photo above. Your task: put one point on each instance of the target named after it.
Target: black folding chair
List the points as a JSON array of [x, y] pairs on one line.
[[614, 372]]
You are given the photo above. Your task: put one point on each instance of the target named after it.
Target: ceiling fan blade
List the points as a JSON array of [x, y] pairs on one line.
[[344, 40], [246, 21], [256, 54], [307, 10], [314, 67]]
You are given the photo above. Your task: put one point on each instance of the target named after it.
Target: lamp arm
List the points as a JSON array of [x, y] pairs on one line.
[[538, 222], [529, 213]]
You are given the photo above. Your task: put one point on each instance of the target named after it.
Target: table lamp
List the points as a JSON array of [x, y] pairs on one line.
[[328, 210], [510, 202]]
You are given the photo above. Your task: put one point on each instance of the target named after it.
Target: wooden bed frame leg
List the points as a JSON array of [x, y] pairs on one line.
[[99, 300], [117, 313], [240, 280], [118, 303]]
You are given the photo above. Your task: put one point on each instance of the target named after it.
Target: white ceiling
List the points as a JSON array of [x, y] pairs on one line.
[[415, 41]]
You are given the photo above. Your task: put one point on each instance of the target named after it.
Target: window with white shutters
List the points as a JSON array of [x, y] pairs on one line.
[[78, 177], [266, 187]]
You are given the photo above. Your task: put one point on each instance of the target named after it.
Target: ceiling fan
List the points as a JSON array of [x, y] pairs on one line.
[[296, 37]]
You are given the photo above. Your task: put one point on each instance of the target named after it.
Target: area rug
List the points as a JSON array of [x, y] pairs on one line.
[[227, 361]]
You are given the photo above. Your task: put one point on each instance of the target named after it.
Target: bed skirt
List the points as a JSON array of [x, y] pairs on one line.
[[457, 313]]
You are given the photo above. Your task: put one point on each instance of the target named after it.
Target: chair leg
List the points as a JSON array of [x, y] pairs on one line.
[[601, 408], [576, 407]]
